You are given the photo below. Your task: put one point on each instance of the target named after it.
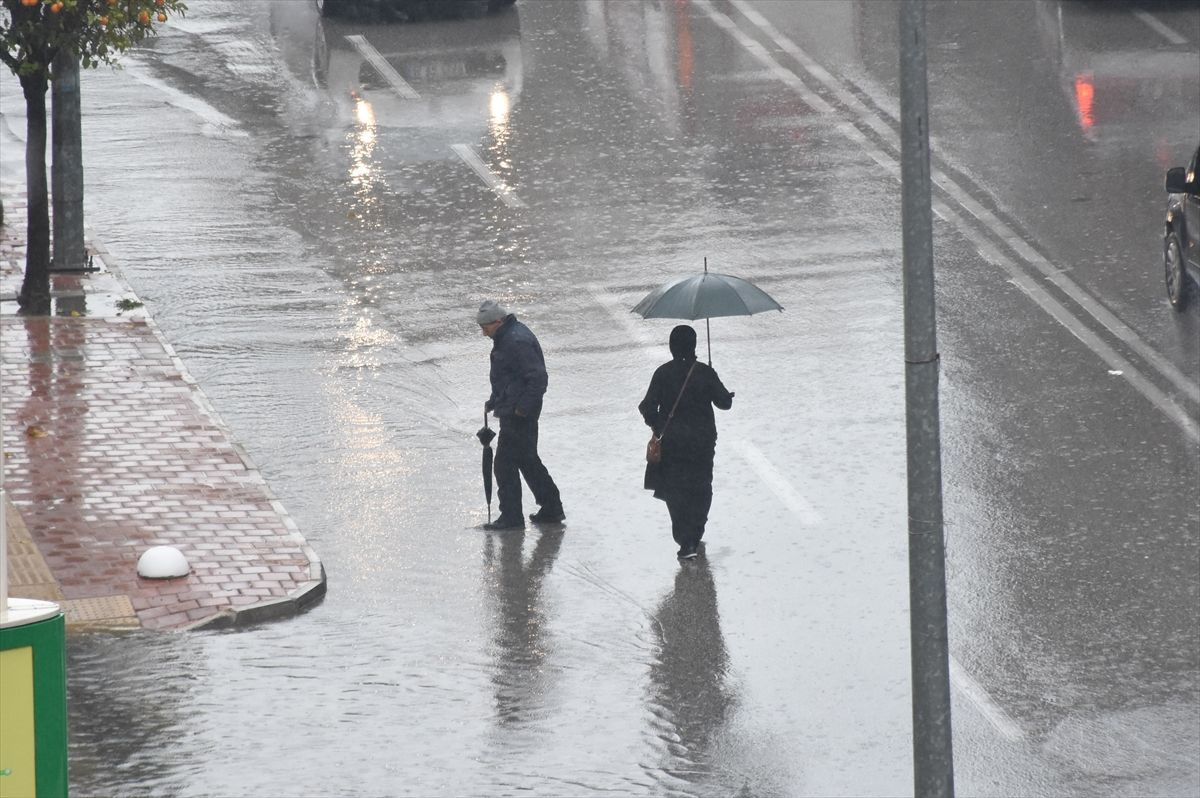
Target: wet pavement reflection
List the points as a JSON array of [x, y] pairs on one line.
[[689, 695], [317, 249], [522, 676]]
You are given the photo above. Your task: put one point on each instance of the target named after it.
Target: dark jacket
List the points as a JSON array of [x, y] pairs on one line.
[[689, 444], [518, 371], [693, 430]]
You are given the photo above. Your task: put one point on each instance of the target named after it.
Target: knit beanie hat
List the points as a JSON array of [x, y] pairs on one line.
[[489, 312]]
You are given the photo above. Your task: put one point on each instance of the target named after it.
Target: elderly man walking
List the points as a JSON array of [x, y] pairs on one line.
[[518, 376]]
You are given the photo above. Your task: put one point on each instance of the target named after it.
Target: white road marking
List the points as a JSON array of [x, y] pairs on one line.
[[1051, 273], [960, 678], [214, 120], [778, 483], [1001, 721], [502, 189], [1158, 26], [1167, 405], [758, 51], [624, 317], [771, 476], [1054, 275], [1034, 290], [385, 70]]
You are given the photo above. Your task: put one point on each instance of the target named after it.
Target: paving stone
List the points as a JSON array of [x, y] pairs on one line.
[[111, 448]]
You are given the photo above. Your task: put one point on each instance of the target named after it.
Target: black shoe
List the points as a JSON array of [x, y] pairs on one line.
[[689, 552], [548, 515], [505, 522]]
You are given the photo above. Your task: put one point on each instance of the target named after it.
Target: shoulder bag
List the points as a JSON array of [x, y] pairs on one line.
[[654, 447]]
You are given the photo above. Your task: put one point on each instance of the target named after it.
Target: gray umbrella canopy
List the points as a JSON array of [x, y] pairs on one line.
[[705, 296]]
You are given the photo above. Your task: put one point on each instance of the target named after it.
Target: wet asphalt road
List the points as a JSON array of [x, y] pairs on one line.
[[314, 242]]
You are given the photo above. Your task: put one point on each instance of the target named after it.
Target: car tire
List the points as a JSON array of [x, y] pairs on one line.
[[1176, 279]]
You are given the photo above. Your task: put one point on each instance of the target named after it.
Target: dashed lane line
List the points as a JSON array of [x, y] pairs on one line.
[[1158, 26], [779, 485], [1001, 721], [385, 70], [493, 181], [771, 476], [960, 678]]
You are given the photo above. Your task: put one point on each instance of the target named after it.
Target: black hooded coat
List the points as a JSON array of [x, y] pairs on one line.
[[690, 442]]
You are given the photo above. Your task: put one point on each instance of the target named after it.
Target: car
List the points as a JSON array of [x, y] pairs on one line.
[[409, 10], [1181, 233], [1118, 86], [419, 89]]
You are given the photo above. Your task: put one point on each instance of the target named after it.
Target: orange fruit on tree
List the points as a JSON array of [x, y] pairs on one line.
[[56, 7], [103, 21], [144, 17], [162, 17]]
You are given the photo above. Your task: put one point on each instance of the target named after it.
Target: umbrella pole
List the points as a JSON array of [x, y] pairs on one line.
[[708, 335], [707, 331]]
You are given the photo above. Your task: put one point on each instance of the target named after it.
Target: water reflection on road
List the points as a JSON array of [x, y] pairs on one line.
[[523, 674], [689, 695], [315, 258]]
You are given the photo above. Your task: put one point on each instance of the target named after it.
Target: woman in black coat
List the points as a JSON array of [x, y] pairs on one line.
[[683, 478]]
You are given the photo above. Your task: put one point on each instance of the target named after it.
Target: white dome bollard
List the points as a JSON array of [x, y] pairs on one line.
[[162, 562]]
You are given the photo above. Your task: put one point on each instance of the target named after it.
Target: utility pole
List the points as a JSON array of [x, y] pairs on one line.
[[66, 167], [933, 757]]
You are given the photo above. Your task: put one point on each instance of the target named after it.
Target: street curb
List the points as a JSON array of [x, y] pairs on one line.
[[309, 593]]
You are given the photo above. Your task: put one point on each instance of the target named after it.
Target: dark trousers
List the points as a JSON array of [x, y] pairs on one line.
[[516, 457], [689, 514]]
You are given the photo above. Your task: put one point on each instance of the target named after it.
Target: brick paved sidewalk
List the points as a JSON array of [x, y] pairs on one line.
[[110, 448]]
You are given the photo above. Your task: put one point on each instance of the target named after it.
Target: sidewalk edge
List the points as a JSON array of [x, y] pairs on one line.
[[309, 593]]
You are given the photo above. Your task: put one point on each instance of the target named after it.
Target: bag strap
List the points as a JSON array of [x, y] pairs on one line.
[[671, 415]]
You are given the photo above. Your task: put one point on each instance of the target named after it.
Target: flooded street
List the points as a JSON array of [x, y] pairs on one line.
[[313, 227]]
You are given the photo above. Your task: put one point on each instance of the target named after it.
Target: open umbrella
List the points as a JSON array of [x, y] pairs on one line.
[[705, 296], [485, 435]]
